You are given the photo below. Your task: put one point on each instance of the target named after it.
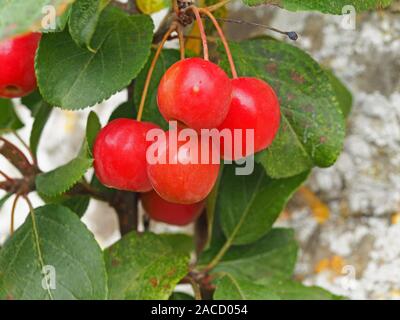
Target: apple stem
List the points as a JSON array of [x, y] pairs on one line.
[[181, 42], [223, 39], [151, 70], [203, 35]]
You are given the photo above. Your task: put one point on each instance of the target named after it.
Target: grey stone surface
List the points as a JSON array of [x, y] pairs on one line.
[[362, 190]]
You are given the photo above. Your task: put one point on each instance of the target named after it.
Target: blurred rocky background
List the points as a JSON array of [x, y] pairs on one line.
[[347, 218]]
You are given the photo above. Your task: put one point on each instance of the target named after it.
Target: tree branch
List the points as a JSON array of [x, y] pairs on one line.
[[16, 158], [126, 205]]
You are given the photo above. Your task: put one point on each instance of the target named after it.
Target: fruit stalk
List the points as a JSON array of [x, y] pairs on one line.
[[181, 42], [223, 39], [172, 28], [203, 35]]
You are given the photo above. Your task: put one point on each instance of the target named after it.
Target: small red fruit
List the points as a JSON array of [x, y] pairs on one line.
[[17, 63], [254, 106], [195, 92], [184, 178], [176, 214], [120, 155]]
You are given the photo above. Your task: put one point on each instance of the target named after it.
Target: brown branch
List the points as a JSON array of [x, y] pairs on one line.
[[16, 157], [163, 28], [4, 175], [126, 205]]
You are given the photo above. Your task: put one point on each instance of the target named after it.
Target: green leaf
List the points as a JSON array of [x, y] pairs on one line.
[[144, 267], [293, 290], [73, 78], [231, 287], [312, 126], [52, 237], [97, 185], [334, 7], [274, 255], [343, 95], [9, 120], [84, 17], [76, 203], [182, 243], [249, 205], [125, 110], [32, 101], [63, 178], [93, 127], [61, 22], [239, 288], [19, 16], [167, 58], [42, 114]]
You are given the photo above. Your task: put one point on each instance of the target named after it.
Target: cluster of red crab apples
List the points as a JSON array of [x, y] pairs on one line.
[[199, 95], [195, 93]]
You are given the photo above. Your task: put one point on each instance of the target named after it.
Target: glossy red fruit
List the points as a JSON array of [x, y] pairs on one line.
[[163, 211], [120, 155], [17, 60], [181, 178], [254, 106], [195, 92]]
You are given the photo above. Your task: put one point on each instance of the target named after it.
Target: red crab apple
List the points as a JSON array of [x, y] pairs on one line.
[[195, 92], [181, 173], [176, 214], [254, 106], [17, 60], [120, 155]]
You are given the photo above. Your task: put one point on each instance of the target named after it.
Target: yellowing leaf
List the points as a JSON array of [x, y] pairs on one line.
[[194, 43], [151, 6]]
